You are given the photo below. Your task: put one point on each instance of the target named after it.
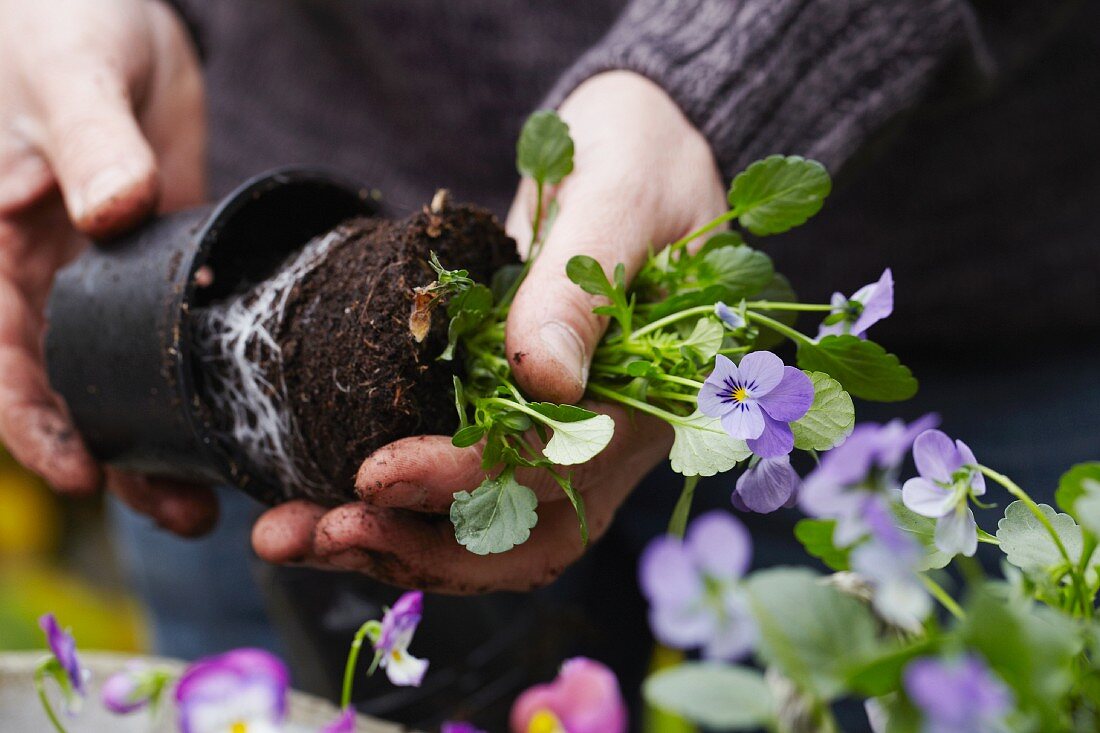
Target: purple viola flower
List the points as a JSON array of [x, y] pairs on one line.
[[452, 726], [343, 724], [73, 676], [135, 687], [888, 561], [960, 695], [949, 478], [693, 587], [241, 691], [770, 484], [867, 306], [584, 698], [398, 627], [757, 400], [728, 316], [844, 486]]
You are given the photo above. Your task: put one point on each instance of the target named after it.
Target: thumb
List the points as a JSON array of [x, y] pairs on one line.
[[551, 331], [103, 164]]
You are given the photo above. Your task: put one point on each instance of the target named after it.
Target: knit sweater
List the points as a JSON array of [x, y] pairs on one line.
[[410, 95]]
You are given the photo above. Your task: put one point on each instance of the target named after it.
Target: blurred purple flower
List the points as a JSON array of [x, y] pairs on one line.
[[693, 587], [459, 727], [728, 316], [888, 561], [584, 698], [845, 484], [343, 724], [132, 688], [867, 306], [398, 627], [241, 690], [770, 484], [959, 695], [756, 400], [948, 478], [70, 675]]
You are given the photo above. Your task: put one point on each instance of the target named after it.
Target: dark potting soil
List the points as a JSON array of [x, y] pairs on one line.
[[355, 376]]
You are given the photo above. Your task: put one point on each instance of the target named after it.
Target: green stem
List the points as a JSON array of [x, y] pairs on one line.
[[797, 336], [1013, 488], [706, 228], [532, 252], [943, 597], [40, 685], [672, 318], [670, 378], [645, 407], [353, 659], [672, 396], [769, 305], [677, 524]]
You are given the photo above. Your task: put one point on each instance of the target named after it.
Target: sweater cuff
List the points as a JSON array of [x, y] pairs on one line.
[[808, 77]]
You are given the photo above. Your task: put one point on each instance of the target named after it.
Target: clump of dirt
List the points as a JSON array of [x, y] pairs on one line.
[[308, 372]]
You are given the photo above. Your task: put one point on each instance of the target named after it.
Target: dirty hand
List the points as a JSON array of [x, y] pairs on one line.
[[100, 104], [643, 177]]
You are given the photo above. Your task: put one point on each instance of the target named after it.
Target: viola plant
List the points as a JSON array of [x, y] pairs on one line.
[[63, 667], [688, 343], [584, 698], [1011, 654]]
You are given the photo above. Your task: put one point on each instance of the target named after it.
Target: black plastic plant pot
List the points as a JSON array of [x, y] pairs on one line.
[[117, 346]]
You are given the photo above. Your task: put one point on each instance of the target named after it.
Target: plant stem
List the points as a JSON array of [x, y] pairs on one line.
[[677, 524], [353, 660], [532, 251], [645, 407], [769, 305], [40, 685], [797, 336], [672, 318], [672, 379], [672, 396], [1013, 488], [683, 241], [943, 597]]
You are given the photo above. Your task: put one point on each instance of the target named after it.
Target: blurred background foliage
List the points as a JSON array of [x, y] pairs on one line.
[[55, 556]]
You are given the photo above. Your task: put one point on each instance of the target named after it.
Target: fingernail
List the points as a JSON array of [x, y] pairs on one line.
[[103, 186], [566, 349]]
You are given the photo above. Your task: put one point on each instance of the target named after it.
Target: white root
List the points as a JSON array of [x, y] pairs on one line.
[[233, 338]]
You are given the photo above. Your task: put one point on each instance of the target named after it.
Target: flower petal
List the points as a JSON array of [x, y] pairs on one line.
[[667, 573], [714, 399], [926, 498], [957, 532], [720, 545], [683, 627], [878, 303], [768, 485], [977, 480], [791, 398], [732, 320], [405, 670], [744, 421], [776, 439], [737, 635], [759, 371], [936, 456]]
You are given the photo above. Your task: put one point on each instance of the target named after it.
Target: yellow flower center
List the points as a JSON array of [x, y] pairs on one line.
[[239, 727], [545, 721], [740, 394], [395, 654]]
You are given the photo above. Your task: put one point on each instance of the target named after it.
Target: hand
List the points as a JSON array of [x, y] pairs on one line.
[[100, 102], [643, 177]]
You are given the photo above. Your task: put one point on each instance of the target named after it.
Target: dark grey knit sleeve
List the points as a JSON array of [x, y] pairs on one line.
[[813, 77]]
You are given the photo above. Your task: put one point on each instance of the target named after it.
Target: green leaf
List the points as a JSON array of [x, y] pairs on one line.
[[742, 271], [467, 436], [504, 279], [704, 341], [810, 631], [703, 448], [1078, 482], [544, 151], [460, 401], [718, 696], [831, 417], [862, 367], [496, 517], [1029, 646], [923, 530], [587, 273], [467, 310], [777, 193], [577, 441], [816, 535], [577, 500], [881, 674], [561, 413], [1026, 543]]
